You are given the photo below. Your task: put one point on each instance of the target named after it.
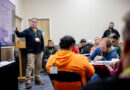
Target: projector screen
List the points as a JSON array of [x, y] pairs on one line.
[[7, 14]]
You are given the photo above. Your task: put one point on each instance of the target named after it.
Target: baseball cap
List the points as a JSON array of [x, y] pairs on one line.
[[83, 40]]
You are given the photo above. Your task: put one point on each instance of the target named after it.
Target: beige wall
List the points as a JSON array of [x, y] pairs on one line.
[[79, 18], [19, 11]]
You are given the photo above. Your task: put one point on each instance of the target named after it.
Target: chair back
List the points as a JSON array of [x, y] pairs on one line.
[[66, 76]]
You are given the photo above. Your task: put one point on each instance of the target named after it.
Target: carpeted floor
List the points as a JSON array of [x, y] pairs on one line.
[[47, 84]]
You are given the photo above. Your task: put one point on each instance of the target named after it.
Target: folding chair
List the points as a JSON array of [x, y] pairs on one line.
[[65, 80]]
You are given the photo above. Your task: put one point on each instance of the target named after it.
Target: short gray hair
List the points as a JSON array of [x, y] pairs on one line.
[[34, 18]]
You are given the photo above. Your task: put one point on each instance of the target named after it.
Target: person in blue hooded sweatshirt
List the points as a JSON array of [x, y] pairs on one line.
[[104, 51]]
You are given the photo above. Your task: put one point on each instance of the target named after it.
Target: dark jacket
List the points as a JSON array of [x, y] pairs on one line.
[[108, 56], [112, 83], [107, 33], [31, 45], [84, 50], [49, 51]]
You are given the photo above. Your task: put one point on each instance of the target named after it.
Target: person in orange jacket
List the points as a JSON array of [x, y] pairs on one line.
[[67, 60]]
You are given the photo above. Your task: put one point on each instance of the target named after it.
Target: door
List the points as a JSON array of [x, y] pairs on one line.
[[18, 25], [43, 24]]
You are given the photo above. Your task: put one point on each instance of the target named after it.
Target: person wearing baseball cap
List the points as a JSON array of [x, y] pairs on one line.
[[84, 49]]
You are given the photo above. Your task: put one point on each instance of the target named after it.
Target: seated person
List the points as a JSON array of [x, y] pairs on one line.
[[115, 44], [90, 44], [67, 60], [115, 67], [120, 82], [76, 50], [97, 42], [84, 49], [49, 50], [104, 51]]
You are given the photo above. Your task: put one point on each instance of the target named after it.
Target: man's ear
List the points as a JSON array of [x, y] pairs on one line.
[[125, 46], [71, 48]]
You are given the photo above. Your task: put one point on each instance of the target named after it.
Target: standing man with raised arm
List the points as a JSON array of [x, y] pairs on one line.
[[34, 47]]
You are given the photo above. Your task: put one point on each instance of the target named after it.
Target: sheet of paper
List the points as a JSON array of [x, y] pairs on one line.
[[100, 62]]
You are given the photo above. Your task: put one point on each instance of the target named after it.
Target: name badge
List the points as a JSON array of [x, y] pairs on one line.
[[53, 70], [37, 39]]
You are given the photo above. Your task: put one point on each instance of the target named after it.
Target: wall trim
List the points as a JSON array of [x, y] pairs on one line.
[[22, 22]]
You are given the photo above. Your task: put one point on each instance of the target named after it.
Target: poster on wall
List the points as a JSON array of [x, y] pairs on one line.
[[7, 14]]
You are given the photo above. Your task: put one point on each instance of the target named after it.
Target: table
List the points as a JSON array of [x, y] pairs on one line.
[[100, 68], [8, 75]]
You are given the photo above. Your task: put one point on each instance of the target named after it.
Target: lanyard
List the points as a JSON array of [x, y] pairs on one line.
[[53, 62], [51, 51], [110, 32], [35, 33], [127, 70], [101, 53]]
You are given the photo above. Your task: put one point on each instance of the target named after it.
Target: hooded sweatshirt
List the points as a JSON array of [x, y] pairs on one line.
[[69, 61], [109, 56]]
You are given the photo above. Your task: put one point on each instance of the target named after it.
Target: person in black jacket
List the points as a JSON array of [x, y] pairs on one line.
[[84, 49], [34, 47], [110, 31], [49, 50]]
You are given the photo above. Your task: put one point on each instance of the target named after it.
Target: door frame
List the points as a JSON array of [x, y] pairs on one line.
[[22, 22], [50, 23]]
